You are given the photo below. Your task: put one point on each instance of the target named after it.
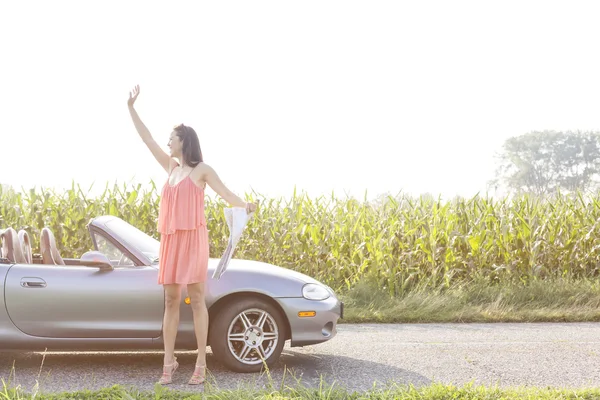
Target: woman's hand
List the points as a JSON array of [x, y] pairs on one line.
[[251, 207], [133, 95]]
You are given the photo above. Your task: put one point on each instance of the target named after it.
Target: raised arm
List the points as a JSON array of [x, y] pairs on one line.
[[161, 156], [213, 180]]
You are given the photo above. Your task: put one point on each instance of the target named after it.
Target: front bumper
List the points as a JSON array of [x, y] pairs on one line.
[[314, 329]]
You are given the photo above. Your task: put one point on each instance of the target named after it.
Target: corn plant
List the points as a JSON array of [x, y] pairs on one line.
[[399, 244]]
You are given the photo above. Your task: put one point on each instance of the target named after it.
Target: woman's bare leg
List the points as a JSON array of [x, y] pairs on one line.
[[198, 303], [170, 327]]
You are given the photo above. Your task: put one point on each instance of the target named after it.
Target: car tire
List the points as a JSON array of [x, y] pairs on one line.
[[229, 321]]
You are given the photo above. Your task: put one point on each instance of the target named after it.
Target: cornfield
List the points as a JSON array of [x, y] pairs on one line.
[[399, 244]]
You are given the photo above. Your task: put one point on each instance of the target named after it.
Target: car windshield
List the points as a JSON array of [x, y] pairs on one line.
[[142, 241]]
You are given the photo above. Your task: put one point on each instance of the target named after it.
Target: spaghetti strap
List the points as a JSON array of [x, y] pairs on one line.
[[171, 169]]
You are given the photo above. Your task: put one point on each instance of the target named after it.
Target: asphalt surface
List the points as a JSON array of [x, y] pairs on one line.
[[555, 355]]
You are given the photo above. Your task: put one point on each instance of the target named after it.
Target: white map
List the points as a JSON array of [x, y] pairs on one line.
[[237, 218]]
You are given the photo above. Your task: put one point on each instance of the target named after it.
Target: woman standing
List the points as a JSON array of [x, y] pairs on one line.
[[184, 247]]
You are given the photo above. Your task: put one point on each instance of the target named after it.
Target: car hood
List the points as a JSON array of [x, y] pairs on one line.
[[263, 268]]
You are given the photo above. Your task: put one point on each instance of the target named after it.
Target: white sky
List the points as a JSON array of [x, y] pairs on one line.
[[372, 95]]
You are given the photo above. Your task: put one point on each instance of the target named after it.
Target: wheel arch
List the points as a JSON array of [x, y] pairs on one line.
[[223, 301]]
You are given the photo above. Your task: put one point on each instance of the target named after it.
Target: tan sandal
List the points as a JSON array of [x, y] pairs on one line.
[[198, 378], [167, 377]]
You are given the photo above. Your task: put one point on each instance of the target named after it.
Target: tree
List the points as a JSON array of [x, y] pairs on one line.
[[548, 161]]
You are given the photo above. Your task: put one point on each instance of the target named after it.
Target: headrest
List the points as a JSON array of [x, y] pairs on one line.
[[26, 246], [11, 247], [50, 254]]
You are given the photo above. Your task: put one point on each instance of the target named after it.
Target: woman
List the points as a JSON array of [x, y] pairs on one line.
[[184, 249]]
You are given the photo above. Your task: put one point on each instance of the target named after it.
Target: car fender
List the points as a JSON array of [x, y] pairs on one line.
[[246, 278]]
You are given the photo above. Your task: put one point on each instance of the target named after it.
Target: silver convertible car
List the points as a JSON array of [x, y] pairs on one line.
[[109, 299]]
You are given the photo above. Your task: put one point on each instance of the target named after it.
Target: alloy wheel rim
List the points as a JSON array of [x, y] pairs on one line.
[[252, 336]]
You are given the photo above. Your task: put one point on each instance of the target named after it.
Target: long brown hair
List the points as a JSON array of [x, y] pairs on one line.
[[190, 145]]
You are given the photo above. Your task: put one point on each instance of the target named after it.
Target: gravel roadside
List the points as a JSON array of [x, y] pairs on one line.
[[545, 354]]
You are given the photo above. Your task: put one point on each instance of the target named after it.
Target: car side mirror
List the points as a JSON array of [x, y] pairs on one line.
[[96, 259]]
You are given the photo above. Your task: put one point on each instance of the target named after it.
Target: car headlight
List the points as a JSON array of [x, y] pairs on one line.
[[313, 291]]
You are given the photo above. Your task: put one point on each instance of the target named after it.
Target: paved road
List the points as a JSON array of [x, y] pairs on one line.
[[565, 355]]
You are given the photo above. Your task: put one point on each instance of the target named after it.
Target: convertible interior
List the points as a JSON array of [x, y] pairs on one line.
[[16, 248]]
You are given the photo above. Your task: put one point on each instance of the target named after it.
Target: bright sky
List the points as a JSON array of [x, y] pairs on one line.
[[343, 96]]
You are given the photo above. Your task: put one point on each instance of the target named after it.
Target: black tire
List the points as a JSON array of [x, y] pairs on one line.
[[253, 308]]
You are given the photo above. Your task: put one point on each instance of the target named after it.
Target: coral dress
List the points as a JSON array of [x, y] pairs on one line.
[[184, 248]]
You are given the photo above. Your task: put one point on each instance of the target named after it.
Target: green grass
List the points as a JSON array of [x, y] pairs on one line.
[[434, 391], [558, 300]]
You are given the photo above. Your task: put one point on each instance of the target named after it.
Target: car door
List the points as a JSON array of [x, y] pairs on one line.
[[72, 301]]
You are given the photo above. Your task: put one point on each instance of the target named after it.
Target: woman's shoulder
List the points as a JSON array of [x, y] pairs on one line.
[[202, 169], [200, 173]]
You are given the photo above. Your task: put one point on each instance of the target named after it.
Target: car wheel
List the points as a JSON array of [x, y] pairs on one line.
[[246, 332]]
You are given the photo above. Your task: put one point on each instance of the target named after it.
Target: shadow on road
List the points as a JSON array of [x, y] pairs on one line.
[[352, 373], [77, 371]]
